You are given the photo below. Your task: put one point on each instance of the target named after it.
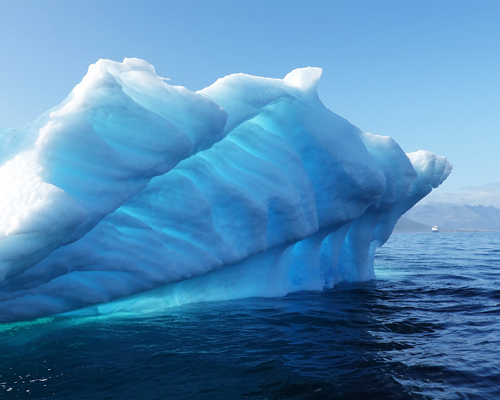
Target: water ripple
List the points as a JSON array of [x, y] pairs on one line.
[[427, 328]]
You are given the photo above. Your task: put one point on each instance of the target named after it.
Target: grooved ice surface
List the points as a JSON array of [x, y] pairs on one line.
[[250, 187]]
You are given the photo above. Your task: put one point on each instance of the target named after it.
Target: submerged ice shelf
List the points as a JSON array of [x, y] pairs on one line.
[[249, 187]]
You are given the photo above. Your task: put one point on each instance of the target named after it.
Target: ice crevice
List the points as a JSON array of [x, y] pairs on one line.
[[134, 195]]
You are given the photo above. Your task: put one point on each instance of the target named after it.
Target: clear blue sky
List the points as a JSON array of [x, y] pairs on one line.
[[425, 73]]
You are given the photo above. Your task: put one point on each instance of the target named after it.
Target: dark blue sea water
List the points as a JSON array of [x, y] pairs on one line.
[[427, 328]]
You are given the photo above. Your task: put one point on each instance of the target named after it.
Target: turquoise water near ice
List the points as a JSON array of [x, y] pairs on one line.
[[427, 328]]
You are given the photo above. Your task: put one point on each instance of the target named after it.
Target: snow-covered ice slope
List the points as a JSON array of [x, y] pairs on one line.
[[250, 185]]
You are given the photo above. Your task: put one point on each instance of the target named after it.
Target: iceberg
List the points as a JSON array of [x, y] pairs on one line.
[[134, 194]]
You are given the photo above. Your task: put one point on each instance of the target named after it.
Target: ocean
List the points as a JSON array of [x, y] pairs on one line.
[[427, 328]]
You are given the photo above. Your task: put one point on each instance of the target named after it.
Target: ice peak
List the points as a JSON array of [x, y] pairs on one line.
[[305, 79]]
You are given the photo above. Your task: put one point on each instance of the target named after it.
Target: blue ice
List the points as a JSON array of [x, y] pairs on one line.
[[249, 187]]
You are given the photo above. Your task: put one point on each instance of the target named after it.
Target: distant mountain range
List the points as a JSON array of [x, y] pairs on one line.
[[449, 217], [407, 225]]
